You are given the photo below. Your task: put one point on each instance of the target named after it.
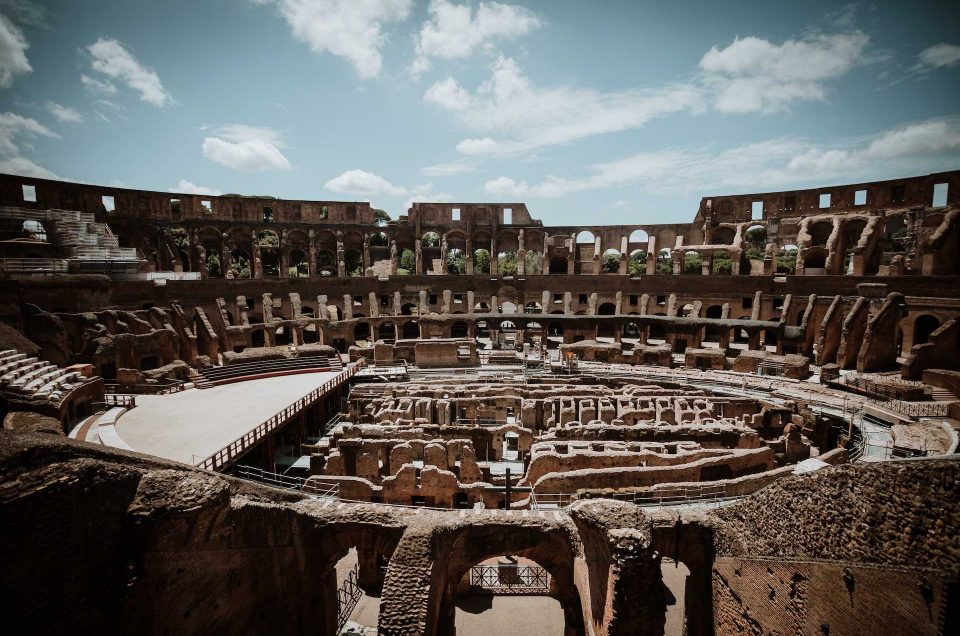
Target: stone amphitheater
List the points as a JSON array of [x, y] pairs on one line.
[[235, 414]]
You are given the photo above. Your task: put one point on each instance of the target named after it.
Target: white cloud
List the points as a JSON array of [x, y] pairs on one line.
[[351, 29], [13, 53], [941, 55], [95, 86], [446, 169], [425, 192], [363, 183], [246, 148], [756, 75], [528, 117], [65, 114], [110, 58], [916, 148], [13, 126], [455, 31], [188, 187]]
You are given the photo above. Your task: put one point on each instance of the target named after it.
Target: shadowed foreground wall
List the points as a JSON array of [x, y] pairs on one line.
[[113, 542]]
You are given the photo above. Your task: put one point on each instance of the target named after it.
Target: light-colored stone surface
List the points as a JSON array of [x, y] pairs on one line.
[[196, 423], [509, 616]]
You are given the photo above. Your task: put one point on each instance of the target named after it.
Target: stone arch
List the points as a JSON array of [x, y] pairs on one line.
[[820, 233], [387, 331], [923, 326], [815, 260], [411, 329], [353, 262], [607, 309], [639, 238], [298, 264], [723, 235], [558, 265], [585, 237], [610, 261]]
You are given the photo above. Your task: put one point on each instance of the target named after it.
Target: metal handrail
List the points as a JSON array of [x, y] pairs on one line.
[[232, 451], [348, 595]]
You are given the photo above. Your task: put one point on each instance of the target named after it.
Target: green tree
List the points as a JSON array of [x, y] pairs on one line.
[[240, 268], [722, 264], [691, 263], [430, 239], [610, 264], [456, 262], [507, 263], [638, 263], [787, 261], [481, 262], [213, 264], [380, 217], [408, 262], [664, 262], [533, 263], [268, 238]]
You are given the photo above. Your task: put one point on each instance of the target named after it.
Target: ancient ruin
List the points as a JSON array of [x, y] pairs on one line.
[[237, 414]]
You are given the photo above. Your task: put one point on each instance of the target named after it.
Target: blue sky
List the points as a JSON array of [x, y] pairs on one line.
[[600, 112]]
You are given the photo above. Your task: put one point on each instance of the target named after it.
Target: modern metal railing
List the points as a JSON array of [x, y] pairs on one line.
[[119, 399], [287, 482], [237, 448], [511, 578], [348, 595]]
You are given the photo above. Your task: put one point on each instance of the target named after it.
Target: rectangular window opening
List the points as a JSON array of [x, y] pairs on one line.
[[661, 300], [455, 214], [748, 302], [237, 212], [824, 201], [384, 300], [297, 212], [29, 193], [352, 213], [108, 203], [324, 212], [557, 299], [940, 194], [756, 210], [457, 298], [267, 214], [507, 216], [860, 197], [433, 299], [207, 207], [790, 203], [634, 299], [358, 300], [898, 193], [583, 299], [175, 208]]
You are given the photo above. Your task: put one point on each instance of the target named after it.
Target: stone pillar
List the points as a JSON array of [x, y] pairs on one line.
[[341, 263], [545, 301], [494, 305], [567, 302], [592, 304], [347, 306], [374, 305], [256, 267], [225, 257], [424, 308], [418, 249], [706, 264], [494, 259], [445, 306], [644, 303], [545, 264], [470, 304], [397, 303], [468, 256], [322, 310], [521, 265], [651, 255], [312, 255], [393, 258], [366, 253]]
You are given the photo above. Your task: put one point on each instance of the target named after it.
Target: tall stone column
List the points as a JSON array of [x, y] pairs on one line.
[[312, 265], [225, 258], [545, 299], [374, 305], [567, 303], [418, 248], [494, 259], [521, 255], [366, 253], [468, 257], [397, 302], [256, 266], [347, 306], [341, 263], [619, 309]]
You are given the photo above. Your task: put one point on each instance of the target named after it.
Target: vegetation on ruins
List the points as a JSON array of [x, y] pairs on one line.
[[481, 261], [408, 262], [456, 262], [507, 263], [664, 262], [610, 264], [637, 264], [380, 216], [722, 263], [692, 263], [430, 239], [533, 262]]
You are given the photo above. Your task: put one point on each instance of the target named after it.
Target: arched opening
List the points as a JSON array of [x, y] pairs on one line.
[[585, 237], [639, 238], [269, 242], [533, 308], [692, 263], [299, 266], [665, 261], [379, 239], [353, 262], [429, 240], [754, 243], [610, 262], [407, 262], [637, 264], [361, 332], [481, 261], [507, 307], [387, 332], [257, 339], [558, 265], [240, 264], [820, 233], [723, 236], [787, 259], [311, 334], [507, 263], [923, 326], [852, 231], [657, 333], [481, 308], [411, 329], [459, 329], [687, 310], [456, 261], [326, 263], [407, 309], [607, 309], [34, 230], [722, 263], [815, 262]]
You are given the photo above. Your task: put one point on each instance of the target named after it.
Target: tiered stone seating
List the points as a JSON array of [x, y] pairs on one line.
[[31, 377], [236, 372]]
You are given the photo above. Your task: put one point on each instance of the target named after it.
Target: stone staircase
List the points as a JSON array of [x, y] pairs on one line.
[[30, 377]]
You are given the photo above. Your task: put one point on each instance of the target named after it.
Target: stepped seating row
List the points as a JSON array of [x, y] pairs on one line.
[[217, 375], [32, 377]]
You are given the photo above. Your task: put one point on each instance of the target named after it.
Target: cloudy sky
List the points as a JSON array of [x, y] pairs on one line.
[[612, 112]]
